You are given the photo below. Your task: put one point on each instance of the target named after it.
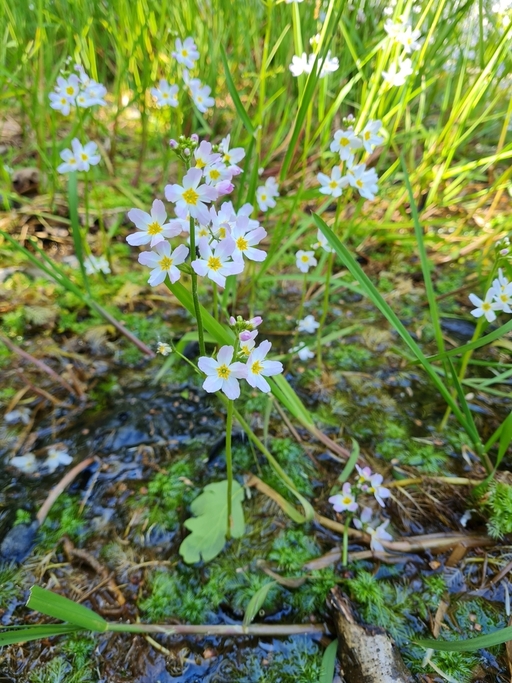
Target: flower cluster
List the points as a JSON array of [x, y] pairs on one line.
[[29, 464], [77, 90], [79, 157], [96, 264], [402, 34], [347, 144], [222, 374], [308, 325], [266, 194], [498, 298], [367, 483], [305, 63], [166, 94], [225, 238]]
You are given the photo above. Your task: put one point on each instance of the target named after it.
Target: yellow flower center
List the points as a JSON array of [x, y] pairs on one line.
[[72, 160], [245, 349], [347, 500], [333, 184], [214, 174], [214, 263], [242, 243], [359, 183], [63, 100], [226, 158], [344, 142], [367, 135], [165, 94], [304, 258], [203, 232], [184, 53], [190, 196], [486, 306], [165, 263], [154, 228], [200, 163], [84, 156], [223, 371], [222, 232], [199, 98], [256, 368], [70, 90], [263, 197]]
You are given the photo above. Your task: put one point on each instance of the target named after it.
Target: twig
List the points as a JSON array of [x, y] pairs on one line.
[[222, 630], [60, 487]]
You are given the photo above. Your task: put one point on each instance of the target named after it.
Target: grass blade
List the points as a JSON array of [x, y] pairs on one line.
[[59, 607], [329, 662], [256, 602], [244, 116], [23, 635], [503, 635]]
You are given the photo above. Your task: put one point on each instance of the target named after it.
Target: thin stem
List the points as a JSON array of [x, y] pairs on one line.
[[301, 308], [229, 464], [325, 309], [220, 629], [215, 302], [344, 553], [195, 298]]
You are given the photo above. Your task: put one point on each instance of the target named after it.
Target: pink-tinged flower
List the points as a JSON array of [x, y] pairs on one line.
[[222, 375], [377, 534], [246, 240], [258, 368], [201, 97], [231, 157], [264, 198], [192, 197], [256, 321], [216, 263], [364, 181], [485, 307], [364, 478], [247, 342], [164, 262], [153, 226], [204, 155], [186, 52], [378, 491], [224, 187], [344, 501]]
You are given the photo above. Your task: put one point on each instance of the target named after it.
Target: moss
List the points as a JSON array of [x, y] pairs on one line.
[[64, 520], [292, 549], [59, 670], [296, 660], [498, 504], [22, 517], [14, 322], [176, 595], [350, 357], [296, 464]]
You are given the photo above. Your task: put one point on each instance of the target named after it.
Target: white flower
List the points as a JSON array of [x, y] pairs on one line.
[[271, 186], [302, 352], [79, 157], [201, 98], [369, 135], [163, 349], [164, 262], [344, 501], [377, 534], [408, 38], [192, 197], [300, 65], [486, 307], [246, 240], [308, 324], [216, 263], [323, 243], [93, 94], [397, 74], [503, 297], [258, 368], [154, 226], [204, 156], [25, 463], [392, 29], [305, 260], [289, 2], [96, 264], [215, 173], [380, 492], [364, 181], [186, 52], [330, 65], [332, 185], [60, 102], [56, 458], [264, 198], [18, 415], [222, 375], [345, 143], [231, 157], [166, 95]]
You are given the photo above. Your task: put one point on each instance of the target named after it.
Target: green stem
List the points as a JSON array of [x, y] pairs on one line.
[[195, 298], [229, 464], [344, 549], [215, 302], [325, 309], [301, 308]]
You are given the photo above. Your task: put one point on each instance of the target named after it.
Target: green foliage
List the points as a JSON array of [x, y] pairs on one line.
[[245, 584], [498, 504], [296, 464], [64, 519], [351, 357], [22, 517], [168, 492], [176, 595], [58, 670], [298, 660], [311, 597], [209, 524], [292, 549]]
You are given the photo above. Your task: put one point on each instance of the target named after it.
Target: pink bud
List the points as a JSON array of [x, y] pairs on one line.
[[232, 321], [256, 321], [245, 336], [194, 137], [224, 187], [173, 144]]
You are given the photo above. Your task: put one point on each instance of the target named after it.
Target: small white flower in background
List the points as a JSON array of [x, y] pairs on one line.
[[465, 518], [96, 264], [222, 375], [345, 143], [166, 95], [258, 368], [80, 91], [369, 135], [60, 102], [17, 415], [204, 156], [485, 307], [364, 478], [377, 534], [503, 297], [79, 157], [392, 28], [231, 157], [330, 65], [264, 198], [247, 239], [344, 501], [308, 324], [216, 263], [186, 52], [408, 38], [201, 98], [302, 352], [56, 458], [305, 260], [398, 73], [322, 243], [300, 65], [364, 181], [334, 185], [289, 2], [153, 227], [272, 186], [192, 197], [380, 492], [25, 463], [163, 349], [164, 262]]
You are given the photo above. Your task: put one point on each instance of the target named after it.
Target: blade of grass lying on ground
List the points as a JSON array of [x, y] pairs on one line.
[[59, 607], [36, 632], [503, 635]]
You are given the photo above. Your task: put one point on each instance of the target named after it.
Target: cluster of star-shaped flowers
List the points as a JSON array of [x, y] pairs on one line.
[[401, 33], [267, 194], [79, 157], [309, 325], [166, 94], [305, 63], [498, 298], [225, 237], [244, 360], [77, 90], [29, 464], [347, 144], [367, 483], [306, 259]]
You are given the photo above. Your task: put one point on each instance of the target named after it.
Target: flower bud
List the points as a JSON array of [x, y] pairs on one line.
[[224, 187], [256, 321], [173, 144], [232, 321], [194, 137], [245, 336]]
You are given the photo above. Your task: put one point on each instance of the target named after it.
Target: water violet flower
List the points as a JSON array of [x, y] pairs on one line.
[[344, 501], [305, 260], [222, 375], [153, 226], [258, 368], [192, 197], [164, 261], [216, 262], [308, 324]]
